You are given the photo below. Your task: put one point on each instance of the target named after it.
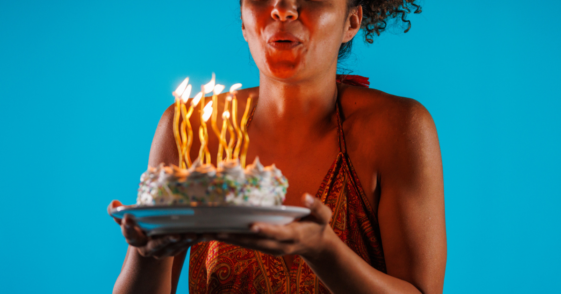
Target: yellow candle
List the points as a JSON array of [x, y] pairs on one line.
[[224, 129], [201, 128], [184, 139], [177, 93], [185, 124], [217, 90], [207, 112], [204, 153], [187, 147], [176, 130], [245, 118], [223, 133], [233, 91], [232, 136]]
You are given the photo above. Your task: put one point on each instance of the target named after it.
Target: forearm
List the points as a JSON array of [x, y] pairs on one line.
[[144, 274], [343, 271]]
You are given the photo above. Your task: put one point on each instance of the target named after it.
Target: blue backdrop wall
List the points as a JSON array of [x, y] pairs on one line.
[[83, 84]]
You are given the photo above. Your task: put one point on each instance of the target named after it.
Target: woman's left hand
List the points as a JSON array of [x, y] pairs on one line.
[[304, 237]]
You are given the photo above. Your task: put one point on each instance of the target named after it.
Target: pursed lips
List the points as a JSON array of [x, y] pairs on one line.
[[283, 41]]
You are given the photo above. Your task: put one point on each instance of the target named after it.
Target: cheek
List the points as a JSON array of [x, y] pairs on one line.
[[326, 31], [254, 19]]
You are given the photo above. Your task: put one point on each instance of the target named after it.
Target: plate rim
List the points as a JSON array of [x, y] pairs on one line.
[[294, 209]]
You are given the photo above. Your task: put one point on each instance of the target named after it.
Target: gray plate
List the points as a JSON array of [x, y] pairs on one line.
[[160, 219]]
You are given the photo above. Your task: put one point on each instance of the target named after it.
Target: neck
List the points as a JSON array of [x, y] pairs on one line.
[[295, 109]]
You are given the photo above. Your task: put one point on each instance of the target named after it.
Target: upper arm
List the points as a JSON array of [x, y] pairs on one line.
[[411, 207], [163, 149]]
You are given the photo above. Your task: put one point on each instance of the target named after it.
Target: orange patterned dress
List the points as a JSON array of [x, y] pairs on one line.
[[216, 267]]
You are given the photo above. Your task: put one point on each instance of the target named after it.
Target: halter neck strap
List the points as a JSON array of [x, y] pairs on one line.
[[340, 133]]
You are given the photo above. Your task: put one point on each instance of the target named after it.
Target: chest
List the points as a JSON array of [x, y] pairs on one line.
[[304, 170]]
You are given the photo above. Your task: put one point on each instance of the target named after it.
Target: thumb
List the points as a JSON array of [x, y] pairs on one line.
[[320, 211], [112, 205]]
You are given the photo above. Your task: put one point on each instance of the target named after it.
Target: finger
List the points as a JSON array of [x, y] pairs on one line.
[[186, 242], [321, 212], [284, 233], [133, 234], [114, 204], [158, 247]]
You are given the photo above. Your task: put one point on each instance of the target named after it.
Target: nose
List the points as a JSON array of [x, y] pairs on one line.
[[285, 10]]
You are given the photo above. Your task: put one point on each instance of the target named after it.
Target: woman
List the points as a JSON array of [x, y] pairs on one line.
[[377, 222]]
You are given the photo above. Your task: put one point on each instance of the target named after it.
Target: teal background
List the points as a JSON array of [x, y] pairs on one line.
[[83, 84]]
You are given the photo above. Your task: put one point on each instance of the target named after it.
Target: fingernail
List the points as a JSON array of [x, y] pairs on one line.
[[309, 200], [255, 229]]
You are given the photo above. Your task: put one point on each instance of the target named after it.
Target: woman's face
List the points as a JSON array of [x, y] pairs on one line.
[[295, 39]]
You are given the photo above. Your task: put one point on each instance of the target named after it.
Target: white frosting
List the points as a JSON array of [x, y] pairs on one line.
[[204, 185], [255, 169], [232, 169], [198, 169], [155, 187]]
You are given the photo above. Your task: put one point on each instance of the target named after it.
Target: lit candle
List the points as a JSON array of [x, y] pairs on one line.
[[177, 94], [217, 90], [233, 91], [207, 113], [245, 118], [187, 150], [225, 116], [209, 87], [224, 128], [186, 130], [232, 136]]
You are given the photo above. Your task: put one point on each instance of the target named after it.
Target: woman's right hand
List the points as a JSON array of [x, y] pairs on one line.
[[157, 246]]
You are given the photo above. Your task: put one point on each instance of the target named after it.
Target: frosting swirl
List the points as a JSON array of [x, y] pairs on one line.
[[231, 168]]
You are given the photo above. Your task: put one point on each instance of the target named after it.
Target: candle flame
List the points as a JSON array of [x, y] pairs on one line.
[[186, 94], [235, 87], [226, 115], [218, 89], [196, 99], [181, 87], [209, 87], [207, 111]]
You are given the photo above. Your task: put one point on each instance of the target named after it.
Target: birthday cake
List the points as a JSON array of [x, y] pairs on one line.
[[229, 184], [198, 183]]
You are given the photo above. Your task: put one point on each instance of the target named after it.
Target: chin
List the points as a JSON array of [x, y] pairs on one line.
[[284, 69]]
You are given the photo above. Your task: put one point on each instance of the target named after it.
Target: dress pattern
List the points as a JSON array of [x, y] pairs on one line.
[[216, 267]]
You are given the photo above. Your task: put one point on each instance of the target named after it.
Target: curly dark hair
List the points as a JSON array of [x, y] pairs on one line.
[[376, 14]]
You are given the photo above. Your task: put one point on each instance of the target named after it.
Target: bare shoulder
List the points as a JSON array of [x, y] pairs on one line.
[[368, 106], [163, 143], [381, 123]]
